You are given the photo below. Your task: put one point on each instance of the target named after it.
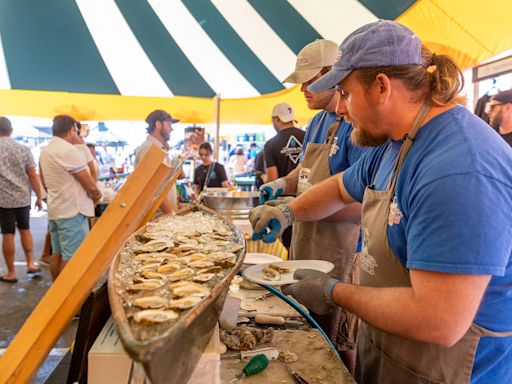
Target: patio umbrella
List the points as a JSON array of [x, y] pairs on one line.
[[101, 135], [78, 112]]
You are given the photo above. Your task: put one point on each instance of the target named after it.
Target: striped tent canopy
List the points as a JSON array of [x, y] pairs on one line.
[[119, 59]]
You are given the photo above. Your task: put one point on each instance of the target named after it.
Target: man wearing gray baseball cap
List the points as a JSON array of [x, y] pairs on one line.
[[436, 268], [327, 150]]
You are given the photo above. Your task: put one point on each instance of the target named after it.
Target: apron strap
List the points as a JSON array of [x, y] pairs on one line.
[[315, 130], [407, 143], [483, 332], [333, 130], [207, 178]]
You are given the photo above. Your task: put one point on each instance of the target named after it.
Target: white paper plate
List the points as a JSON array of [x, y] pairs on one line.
[[261, 258], [253, 273]]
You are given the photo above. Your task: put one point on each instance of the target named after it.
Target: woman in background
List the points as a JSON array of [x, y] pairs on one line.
[[209, 174]]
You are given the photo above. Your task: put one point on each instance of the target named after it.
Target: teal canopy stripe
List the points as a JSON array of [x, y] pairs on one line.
[[293, 29], [169, 60], [48, 47], [389, 9], [233, 47]]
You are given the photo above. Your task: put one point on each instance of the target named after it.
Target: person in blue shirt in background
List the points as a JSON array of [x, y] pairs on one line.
[[327, 150], [436, 269]]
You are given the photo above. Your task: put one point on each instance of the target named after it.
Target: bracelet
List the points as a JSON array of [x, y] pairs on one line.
[[287, 212]]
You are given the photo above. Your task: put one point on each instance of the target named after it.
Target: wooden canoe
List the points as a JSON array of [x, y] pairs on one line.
[[172, 356]]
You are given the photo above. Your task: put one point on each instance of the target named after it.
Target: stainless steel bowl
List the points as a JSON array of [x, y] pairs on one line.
[[233, 204]]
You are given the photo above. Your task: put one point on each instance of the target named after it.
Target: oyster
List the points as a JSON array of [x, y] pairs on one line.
[[200, 264], [191, 289], [181, 274], [203, 277], [185, 240], [279, 269], [151, 302], [222, 232], [188, 247], [270, 274], [146, 285], [169, 268], [185, 302], [152, 275], [288, 357], [198, 256], [150, 316], [154, 246], [149, 267]]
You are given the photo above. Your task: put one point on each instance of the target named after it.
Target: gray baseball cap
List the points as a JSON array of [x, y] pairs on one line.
[[379, 44]]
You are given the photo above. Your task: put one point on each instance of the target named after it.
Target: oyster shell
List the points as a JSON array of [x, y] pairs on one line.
[[279, 269], [169, 268], [146, 285], [181, 274], [191, 289], [198, 256], [152, 275], [200, 264], [185, 302], [270, 274], [151, 316], [154, 246], [151, 302], [149, 267], [188, 247], [203, 277]]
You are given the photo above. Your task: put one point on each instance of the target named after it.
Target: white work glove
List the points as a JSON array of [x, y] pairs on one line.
[[269, 222], [314, 290], [270, 191]]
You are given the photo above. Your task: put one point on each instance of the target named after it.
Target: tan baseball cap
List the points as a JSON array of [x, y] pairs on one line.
[[311, 59]]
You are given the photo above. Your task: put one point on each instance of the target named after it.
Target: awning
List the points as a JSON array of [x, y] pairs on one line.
[[123, 58]]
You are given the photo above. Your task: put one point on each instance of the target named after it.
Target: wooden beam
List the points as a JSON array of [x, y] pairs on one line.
[[52, 315], [159, 200]]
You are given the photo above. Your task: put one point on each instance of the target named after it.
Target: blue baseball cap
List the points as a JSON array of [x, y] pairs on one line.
[[379, 44]]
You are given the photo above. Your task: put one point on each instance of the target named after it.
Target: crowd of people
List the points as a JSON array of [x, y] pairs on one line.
[[404, 190]]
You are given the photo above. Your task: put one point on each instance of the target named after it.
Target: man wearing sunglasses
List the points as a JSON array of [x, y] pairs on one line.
[[499, 109]]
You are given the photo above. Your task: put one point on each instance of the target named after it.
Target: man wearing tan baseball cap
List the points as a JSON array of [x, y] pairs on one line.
[[326, 150]]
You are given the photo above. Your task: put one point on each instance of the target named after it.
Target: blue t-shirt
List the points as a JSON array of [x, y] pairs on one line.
[[347, 153], [454, 192]]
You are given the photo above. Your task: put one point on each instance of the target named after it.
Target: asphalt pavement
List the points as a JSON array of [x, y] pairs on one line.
[[18, 300]]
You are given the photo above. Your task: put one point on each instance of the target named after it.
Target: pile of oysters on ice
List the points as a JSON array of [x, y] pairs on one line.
[[171, 267]]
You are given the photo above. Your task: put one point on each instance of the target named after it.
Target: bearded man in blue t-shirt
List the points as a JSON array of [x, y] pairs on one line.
[[436, 269]]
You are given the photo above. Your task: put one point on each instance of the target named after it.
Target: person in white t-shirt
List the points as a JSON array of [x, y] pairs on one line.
[[71, 190]]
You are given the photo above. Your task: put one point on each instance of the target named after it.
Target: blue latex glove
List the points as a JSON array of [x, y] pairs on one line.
[[270, 191], [269, 222], [314, 290]]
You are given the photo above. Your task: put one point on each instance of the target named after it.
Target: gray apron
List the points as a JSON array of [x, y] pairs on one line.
[[334, 241], [388, 359]]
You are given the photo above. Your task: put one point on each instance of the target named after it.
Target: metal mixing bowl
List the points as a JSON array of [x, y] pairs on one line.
[[233, 204]]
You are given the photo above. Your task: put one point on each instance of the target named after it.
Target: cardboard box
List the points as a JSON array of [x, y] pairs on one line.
[[109, 363]]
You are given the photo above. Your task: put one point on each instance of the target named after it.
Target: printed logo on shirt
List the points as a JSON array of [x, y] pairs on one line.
[[394, 215], [213, 175], [368, 262], [293, 149]]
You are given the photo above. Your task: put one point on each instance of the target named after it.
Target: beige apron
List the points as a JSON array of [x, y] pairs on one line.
[[388, 359], [334, 241]]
